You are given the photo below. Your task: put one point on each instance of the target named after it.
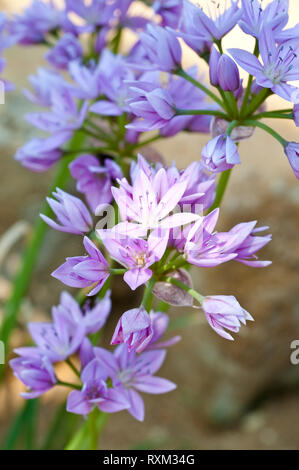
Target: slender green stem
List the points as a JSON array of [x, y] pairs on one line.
[[233, 103], [68, 384], [117, 271], [226, 103], [173, 264], [199, 85], [273, 115], [93, 432], [146, 142], [200, 112], [73, 367], [268, 129], [250, 80], [186, 288], [257, 101], [148, 295], [221, 187]]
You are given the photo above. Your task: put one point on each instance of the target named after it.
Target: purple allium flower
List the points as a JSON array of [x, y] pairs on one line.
[[72, 214], [135, 254], [44, 82], [296, 114], [159, 322], [162, 47], [254, 17], [64, 115], [57, 340], [135, 373], [6, 39], [289, 34], [84, 271], [67, 49], [292, 152], [280, 64], [94, 180], [153, 106], [92, 318], [95, 13], [95, 392], [200, 245], [170, 12], [213, 66], [225, 312], [87, 80], [146, 204], [228, 73], [86, 352], [41, 154], [8, 86], [220, 154], [244, 242], [206, 29], [35, 22], [134, 328], [36, 372]]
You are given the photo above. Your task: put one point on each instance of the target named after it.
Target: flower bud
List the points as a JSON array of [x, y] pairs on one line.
[[213, 66], [292, 152], [228, 74]]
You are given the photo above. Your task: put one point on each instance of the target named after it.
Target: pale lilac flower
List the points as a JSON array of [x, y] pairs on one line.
[[296, 114], [64, 114], [135, 373], [93, 318], [35, 22], [95, 180], [57, 340], [170, 12], [200, 30], [200, 245], [146, 208], [96, 13], [67, 49], [134, 328], [220, 154], [159, 323], [96, 393], [254, 17], [228, 73], [224, 312], [292, 152], [36, 372], [72, 214], [162, 47], [8, 86], [136, 254], [6, 39], [85, 271], [280, 65], [86, 352], [44, 82], [153, 107], [243, 240], [41, 154], [87, 79]]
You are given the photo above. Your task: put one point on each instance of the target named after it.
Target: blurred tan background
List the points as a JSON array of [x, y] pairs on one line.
[[230, 395]]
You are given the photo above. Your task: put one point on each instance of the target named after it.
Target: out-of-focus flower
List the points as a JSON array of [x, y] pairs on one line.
[[64, 115], [280, 64], [220, 154], [170, 12], [72, 214], [135, 373], [84, 271], [44, 82], [254, 17], [162, 47], [96, 393], [41, 154], [292, 152], [224, 312], [296, 114], [36, 372], [67, 49], [92, 318], [95, 13], [94, 180]]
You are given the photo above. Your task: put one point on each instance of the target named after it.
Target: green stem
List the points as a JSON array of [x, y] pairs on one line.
[[148, 295], [195, 112], [221, 187], [186, 288], [93, 434], [146, 142], [257, 101], [233, 103], [68, 384], [73, 367], [268, 129], [250, 80], [273, 115], [117, 271], [199, 85]]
